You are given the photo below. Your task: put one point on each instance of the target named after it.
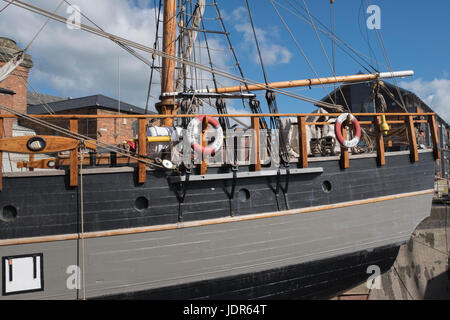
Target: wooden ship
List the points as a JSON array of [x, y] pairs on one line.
[[95, 221]]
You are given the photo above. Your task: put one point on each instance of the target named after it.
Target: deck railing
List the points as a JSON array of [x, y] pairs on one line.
[[408, 121]]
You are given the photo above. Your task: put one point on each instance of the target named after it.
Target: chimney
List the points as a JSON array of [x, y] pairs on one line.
[[16, 82]]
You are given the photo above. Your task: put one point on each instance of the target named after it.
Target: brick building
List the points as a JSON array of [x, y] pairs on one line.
[[14, 88], [111, 131]]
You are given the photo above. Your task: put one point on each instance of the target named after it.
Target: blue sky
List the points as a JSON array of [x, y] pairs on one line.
[[73, 63], [415, 34]]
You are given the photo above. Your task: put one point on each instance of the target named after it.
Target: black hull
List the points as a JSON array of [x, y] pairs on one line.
[[305, 242], [47, 206], [321, 279]]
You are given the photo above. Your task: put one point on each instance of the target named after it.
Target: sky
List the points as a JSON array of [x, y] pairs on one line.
[[73, 63]]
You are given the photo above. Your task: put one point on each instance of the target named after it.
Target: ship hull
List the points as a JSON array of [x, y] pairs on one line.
[[313, 244]]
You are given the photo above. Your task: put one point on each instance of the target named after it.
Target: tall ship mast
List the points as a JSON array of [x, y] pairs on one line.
[[198, 205]]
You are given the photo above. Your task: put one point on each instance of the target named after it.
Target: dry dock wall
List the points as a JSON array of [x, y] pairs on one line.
[[421, 270]]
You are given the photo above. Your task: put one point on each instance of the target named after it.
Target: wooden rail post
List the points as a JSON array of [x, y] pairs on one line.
[[31, 159], [345, 162], [204, 141], [434, 136], [142, 145], [381, 159], [73, 172], [413, 153], [257, 143], [302, 143]]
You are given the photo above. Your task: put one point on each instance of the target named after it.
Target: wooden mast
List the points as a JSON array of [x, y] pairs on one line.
[[167, 104]]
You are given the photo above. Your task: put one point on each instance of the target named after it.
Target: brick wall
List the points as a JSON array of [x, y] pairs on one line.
[[16, 82], [114, 131], [87, 127], [111, 131]]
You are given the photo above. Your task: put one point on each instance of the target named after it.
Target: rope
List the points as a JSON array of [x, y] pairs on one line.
[[6, 6], [83, 266], [256, 43], [388, 61], [25, 81], [325, 53], [42, 28], [78, 136], [327, 32], [301, 50], [222, 73], [234, 56], [155, 46]]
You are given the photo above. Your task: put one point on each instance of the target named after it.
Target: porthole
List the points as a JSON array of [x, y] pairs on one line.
[[8, 213], [244, 195], [326, 186], [141, 203]]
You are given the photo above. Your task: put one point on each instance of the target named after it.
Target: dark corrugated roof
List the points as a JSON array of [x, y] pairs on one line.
[[98, 100], [393, 89], [6, 91]]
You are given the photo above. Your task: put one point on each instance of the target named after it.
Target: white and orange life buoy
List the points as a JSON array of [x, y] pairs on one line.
[[338, 130], [194, 130]]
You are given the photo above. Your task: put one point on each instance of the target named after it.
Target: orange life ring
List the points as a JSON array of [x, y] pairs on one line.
[[338, 130], [193, 132]]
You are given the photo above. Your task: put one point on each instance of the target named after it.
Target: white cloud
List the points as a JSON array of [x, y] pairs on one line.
[[272, 53], [76, 63], [435, 93]]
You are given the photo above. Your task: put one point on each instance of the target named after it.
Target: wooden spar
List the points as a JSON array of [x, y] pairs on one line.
[[167, 104], [313, 82]]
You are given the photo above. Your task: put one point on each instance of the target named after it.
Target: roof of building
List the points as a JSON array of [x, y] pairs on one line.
[[393, 89], [98, 100], [6, 91]]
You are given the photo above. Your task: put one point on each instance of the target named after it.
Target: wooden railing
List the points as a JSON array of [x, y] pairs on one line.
[[255, 125]]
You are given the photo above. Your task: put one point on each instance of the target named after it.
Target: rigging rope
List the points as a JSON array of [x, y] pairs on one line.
[[83, 264], [155, 46], [78, 136], [388, 61], [6, 6], [325, 53], [302, 52], [225, 74], [270, 96], [327, 32]]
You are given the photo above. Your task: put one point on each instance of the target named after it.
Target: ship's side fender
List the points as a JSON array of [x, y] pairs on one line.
[[338, 130], [193, 131]]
